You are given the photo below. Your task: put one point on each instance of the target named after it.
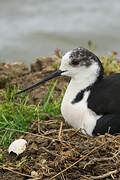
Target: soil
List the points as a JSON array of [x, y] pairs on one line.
[[49, 154]]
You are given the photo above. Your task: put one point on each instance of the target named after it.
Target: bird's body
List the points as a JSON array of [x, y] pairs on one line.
[[84, 118], [91, 102], [98, 103]]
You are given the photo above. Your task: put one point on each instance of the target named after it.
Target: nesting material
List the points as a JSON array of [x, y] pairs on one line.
[[74, 156]]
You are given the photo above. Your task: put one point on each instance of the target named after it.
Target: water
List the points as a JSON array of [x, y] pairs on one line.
[[31, 28]]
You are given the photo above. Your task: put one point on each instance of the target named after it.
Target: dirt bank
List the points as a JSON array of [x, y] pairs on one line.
[[18, 74]]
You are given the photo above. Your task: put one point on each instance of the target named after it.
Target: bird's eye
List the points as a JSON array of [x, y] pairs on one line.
[[75, 62]]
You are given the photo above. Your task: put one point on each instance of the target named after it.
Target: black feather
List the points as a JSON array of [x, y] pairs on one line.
[[108, 123], [104, 97]]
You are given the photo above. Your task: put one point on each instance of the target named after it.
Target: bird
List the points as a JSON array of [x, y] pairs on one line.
[[91, 103]]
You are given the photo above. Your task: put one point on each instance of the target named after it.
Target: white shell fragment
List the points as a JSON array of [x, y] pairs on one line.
[[34, 173], [18, 146]]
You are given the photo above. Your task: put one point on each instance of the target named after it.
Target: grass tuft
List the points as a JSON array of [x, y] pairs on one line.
[[16, 114]]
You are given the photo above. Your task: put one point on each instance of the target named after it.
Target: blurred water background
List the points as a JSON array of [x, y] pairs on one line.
[[33, 28]]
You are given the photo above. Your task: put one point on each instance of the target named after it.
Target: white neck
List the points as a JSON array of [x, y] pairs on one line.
[[80, 82]]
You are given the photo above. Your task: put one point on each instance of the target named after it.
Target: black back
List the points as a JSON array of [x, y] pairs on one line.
[[105, 95]]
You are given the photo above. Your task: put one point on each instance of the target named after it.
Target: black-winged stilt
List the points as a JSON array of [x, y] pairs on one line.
[[91, 102]]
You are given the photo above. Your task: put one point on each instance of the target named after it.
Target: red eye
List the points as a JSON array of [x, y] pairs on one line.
[[75, 62]]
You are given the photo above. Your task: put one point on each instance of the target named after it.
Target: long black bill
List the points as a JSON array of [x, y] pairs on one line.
[[51, 76]]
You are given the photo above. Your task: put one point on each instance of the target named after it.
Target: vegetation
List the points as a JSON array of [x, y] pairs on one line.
[[16, 114], [110, 63]]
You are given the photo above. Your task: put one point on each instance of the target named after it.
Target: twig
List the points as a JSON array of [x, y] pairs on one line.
[[76, 131], [38, 126], [62, 175], [116, 154], [101, 159], [42, 136], [86, 177], [38, 135], [34, 178], [77, 161], [60, 131], [105, 175], [16, 172], [48, 122], [56, 131], [52, 153]]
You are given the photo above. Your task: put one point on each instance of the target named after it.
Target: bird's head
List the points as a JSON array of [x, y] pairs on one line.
[[77, 63], [80, 62]]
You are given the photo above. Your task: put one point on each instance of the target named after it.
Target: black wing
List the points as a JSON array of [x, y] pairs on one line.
[[105, 96], [107, 124]]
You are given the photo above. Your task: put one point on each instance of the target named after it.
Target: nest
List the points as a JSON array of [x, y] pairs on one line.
[[56, 151]]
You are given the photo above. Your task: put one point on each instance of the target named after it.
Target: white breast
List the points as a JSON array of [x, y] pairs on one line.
[[78, 115]]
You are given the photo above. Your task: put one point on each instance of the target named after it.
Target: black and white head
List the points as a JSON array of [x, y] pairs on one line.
[[78, 63], [81, 62]]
